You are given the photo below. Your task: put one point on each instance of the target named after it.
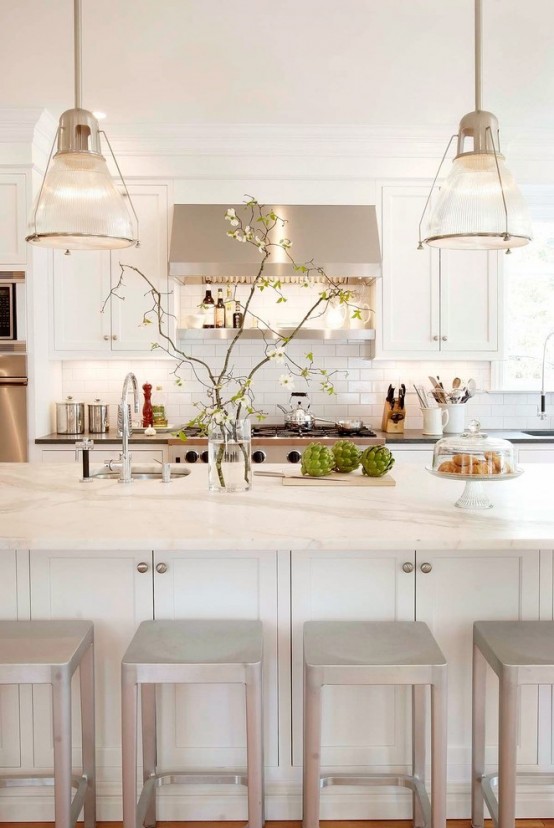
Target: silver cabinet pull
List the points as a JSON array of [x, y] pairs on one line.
[[426, 568], [114, 336], [161, 568], [435, 338], [106, 337], [408, 567], [143, 567], [444, 338]]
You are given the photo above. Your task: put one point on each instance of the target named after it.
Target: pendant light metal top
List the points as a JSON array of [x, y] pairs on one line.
[[479, 206], [78, 207]]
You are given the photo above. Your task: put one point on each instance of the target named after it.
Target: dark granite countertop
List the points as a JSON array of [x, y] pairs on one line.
[[410, 437]]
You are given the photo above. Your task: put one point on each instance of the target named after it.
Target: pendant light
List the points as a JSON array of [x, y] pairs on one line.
[[479, 206], [78, 207]]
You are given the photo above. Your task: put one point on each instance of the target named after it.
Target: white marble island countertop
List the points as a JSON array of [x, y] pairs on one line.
[[44, 506]]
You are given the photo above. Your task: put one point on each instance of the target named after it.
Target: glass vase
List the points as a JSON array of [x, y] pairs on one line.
[[229, 457]]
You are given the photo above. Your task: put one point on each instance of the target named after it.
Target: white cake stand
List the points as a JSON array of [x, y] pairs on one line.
[[474, 495]]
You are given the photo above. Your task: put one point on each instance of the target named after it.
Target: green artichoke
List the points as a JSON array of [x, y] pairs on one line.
[[317, 460], [376, 461], [347, 456]]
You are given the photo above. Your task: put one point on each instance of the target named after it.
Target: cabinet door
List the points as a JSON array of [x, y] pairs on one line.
[[80, 287], [151, 258], [536, 455], [469, 300], [10, 752], [410, 288], [361, 725], [105, 587], [461, 588], [204, 725], [13, 219]]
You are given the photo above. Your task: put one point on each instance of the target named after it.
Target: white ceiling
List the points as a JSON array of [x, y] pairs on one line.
[[375, 62]]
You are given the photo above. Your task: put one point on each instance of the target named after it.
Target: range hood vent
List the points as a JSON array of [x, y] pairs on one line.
[[343, 240]]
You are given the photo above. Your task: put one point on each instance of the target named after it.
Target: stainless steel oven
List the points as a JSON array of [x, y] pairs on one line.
[[12, 311], [13, 408], [270, 443]]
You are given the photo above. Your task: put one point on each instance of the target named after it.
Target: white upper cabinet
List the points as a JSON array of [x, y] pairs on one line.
[[13, 220], [81, 284], [439, 303]]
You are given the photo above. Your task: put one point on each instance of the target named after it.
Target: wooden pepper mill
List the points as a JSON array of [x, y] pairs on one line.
[[147, 413]]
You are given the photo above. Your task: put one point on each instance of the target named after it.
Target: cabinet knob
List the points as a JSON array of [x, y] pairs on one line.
[[408, 567], [106, 337], [161, 568], [143, 567], [426, 568], [444, 338], [435, 338], [114, 336]]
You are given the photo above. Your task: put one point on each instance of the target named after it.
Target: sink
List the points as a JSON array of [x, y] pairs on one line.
[[540, 432], [142, 475]]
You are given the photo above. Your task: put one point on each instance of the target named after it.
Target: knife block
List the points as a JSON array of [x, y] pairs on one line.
[[393, 418]]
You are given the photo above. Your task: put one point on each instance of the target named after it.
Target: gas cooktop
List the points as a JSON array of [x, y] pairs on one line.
[[314, 433]]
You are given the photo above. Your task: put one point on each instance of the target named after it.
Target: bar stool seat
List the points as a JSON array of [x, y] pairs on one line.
[[49, 652], [519, 652], [181, 652], [375, 652]]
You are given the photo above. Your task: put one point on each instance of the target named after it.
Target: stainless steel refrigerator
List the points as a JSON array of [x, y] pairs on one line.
[[13, 408]]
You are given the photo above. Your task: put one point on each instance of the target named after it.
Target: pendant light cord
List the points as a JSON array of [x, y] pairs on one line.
[[478, 54], [77, 52]]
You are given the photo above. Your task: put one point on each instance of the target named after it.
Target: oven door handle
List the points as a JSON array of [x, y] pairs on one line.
[[13, 381]]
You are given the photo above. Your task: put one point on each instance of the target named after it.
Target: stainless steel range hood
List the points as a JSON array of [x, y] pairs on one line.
[[344, 240]]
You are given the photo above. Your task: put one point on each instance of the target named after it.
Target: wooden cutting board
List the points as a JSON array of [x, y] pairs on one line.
[[337, 479]]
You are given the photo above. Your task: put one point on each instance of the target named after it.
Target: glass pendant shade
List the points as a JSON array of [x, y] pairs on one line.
[[79, 207], [469, 210]]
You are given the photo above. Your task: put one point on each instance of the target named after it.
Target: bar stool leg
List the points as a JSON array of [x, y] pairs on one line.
[[61, 719], [418, 747], [149, 750], [129, 706], [479, 685], [312, 749], [254, 745], [439, 722], [86, 680], [507, 747]]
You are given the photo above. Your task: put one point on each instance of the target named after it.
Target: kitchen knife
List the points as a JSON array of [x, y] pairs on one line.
[[401, 395], [390, 396]]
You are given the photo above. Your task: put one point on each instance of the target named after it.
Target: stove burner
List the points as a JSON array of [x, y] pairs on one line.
[[315, 433]]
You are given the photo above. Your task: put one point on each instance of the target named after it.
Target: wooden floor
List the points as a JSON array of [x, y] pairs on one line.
[[351, 823]]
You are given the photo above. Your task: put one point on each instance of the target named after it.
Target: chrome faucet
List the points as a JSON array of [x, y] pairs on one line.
[[125, 429], [542, 408]]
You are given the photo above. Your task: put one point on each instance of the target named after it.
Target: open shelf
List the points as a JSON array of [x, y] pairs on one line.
[[224, 334]]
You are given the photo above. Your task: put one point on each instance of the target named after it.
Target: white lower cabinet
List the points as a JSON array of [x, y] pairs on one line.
[[203, 725], [10, 742], [107, 588], [542, 454]]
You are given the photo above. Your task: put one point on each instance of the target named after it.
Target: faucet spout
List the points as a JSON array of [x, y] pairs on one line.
[[124, 426], [542, 407]]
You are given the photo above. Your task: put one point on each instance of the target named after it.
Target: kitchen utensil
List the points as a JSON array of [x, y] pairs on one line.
[[456, 382], [434, 420], [343, 426], [390, 396], [98, 417], [470, 389], [422, 395], [401, 395], [298, 414], [70, 417], [328, 478]]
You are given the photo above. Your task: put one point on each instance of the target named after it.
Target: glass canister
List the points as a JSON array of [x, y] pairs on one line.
[[473, 453]]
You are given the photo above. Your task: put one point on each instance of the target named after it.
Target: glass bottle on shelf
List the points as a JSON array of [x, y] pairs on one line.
[[220, 310], [229, 307], [208, 307], [237, 316]]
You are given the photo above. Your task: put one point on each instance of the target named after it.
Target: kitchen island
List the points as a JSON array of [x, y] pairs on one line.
[[119, 554]]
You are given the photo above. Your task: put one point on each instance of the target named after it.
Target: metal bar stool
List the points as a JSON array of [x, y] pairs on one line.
[[377, 652], [519, 652], [49, 652], [196, 652]]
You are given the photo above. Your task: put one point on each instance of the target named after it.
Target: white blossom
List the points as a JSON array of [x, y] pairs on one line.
[[286, 381], [230, 214], [277, 354], [219, 416]]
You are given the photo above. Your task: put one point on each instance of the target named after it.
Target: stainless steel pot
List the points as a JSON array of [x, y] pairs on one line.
[[98, 417], [70, 417], [343, 426]]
